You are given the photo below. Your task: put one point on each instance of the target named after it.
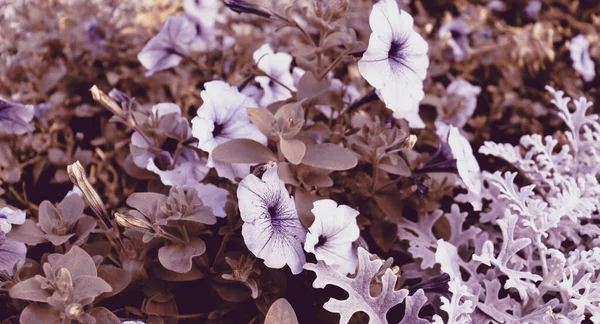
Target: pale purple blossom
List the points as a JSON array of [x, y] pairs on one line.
[[277, 86], [15, 118], [222, 117], [272, 230], [10, 216], [396, 61], [331, 235], [461, 99], [170, 46], [11, 253], [456, 32]]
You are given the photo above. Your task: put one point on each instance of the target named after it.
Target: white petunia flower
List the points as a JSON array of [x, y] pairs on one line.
[[188, 169], [396, 61], [459, 103], [331, 235], [411, 115], [272, 230], [222, 117], [580, 55], [460, 149], [9, 216], [171, 45], [276, 66]]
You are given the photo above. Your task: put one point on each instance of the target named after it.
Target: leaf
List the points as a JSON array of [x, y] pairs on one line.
[[414, 304], [30, 289], [292, 149], [400, 168], [336, 39], [310, 87], [49, 217], [329, 156], [281, 312], [178, 257], [27, 233], [71, 208], [89, 287], [117, 278], [104, 316], [243, 151], [460, 307], [447, 256], [263, 119], [77, 261], [38, 313], [359, 298]]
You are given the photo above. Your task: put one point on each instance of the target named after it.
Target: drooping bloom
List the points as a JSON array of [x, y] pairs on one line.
[[15, 118], [277, 67], [222, 117], [11, 253], [396, 61], [171, 45], [580, 55], [174, 170], [331, 235], [10, 216], [272, 230], [458, 103], [460, 149]]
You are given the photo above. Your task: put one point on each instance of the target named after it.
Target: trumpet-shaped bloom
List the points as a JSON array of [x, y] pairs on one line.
[[396, 61], [459, 103], [272, 230], [331, 235], [277, 67], [580, 55], [222, 117], [9, 216], [169, 46], [15, 118]]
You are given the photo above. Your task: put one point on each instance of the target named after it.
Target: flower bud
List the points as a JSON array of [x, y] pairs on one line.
[[241, 6], [131, 222], [78, 177]]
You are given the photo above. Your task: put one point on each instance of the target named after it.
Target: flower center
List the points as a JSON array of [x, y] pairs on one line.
[[217, 130], [272, 211], [396, 51], [164, 159], [322, 241]]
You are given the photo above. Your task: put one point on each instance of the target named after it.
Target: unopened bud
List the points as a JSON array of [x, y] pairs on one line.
[[410, 141], [395, 270], [78, 177], [106, 101], [131, 222], [252, 7]]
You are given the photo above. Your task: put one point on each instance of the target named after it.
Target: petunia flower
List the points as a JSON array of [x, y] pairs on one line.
[[11, 253], [213, 196], [15, 117], [580, 55], [459, 103], [460, 149], [10, 216], [171, 45], [223, 117], [456, 33], [202, 12], [277, 67], [331, 235], [396, 61], [272, 230], [174, 170]]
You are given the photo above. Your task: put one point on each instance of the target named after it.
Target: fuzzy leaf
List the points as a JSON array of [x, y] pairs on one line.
[[77, 261], [460, 307], [104, 316], [447, 256], [358, 289], [39, 313], [414, 304], [243, 150], [329, 156], [310, 87], [178, 257], [30, 289], [263, 119], [281, 312], [89, 287], [292, 149]]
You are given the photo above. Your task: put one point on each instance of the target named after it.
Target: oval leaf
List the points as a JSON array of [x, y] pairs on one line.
[[243, 150], [310, 87], [281, 312], [292, 149], [329, 156], [262, 118]]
